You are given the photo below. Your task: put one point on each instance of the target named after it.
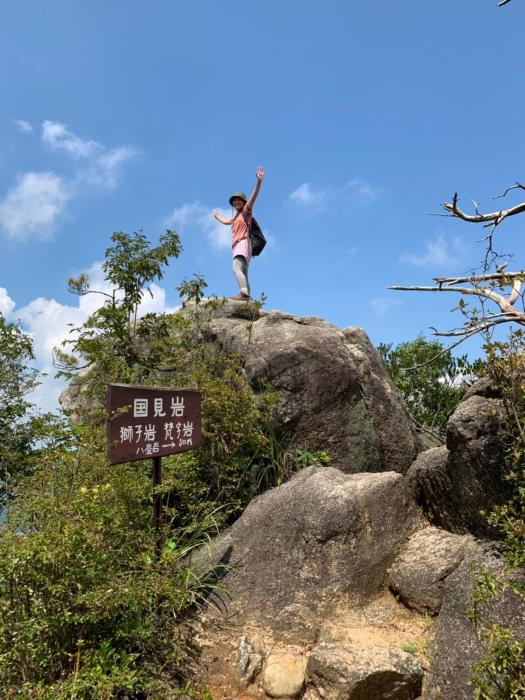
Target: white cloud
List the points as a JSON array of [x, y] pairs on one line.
[[34, 206], [438, 253], [186, 214], [307, 195], [6, 303], [100, 166], [49, 323], [195, 214], [382, 305], [356, 192], [57, 136], [24, 126], [359, 191]]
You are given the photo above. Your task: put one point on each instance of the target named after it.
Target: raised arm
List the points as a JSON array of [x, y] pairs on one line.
[[260, 176], [221, 219]]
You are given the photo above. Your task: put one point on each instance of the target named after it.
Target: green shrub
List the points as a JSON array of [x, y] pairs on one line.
[[84, 601], [430, 379]]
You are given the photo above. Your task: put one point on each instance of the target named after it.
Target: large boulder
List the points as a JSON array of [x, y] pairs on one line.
[[374, 673], [457, 646], [418, 575], [454, 484], [319, 539], [335, 392]]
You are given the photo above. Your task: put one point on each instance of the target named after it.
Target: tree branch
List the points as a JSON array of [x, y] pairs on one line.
[[493, 218]]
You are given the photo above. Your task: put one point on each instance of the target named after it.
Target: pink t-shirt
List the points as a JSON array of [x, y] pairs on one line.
[[241, 224]]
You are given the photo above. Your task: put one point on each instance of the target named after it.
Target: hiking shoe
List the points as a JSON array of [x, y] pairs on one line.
[[241, 297]]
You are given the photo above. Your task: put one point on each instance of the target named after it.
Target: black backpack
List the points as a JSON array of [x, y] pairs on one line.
[[257, 238]]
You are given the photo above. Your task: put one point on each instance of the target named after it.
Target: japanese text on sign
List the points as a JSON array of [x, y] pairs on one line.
[[147, 422]]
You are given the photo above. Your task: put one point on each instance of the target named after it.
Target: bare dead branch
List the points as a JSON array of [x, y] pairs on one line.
[[517, 186], [475, 285], [504, 277], [474, 291], [493, 219]]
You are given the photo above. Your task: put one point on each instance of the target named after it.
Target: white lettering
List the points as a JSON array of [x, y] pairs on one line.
[[158, 407], [149, 433], [177, 407], [126, 433], [140, 408]]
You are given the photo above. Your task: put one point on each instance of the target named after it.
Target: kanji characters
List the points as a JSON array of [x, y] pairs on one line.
[[177, 407], [126, 433], [149, 432], [140, 408], [158, 408]]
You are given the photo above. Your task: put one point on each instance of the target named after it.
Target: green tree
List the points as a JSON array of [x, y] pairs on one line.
[[430, 379], [114, 342], [20, 430]]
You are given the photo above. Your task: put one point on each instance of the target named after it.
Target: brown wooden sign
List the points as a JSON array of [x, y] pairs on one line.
[[146, 422]]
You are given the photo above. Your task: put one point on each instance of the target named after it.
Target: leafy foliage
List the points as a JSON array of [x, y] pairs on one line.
[[113, 333], [86, 609], [431, 380], [20, 428]]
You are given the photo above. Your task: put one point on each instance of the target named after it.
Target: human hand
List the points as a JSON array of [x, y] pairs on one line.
[[215, 213], [260, 174]]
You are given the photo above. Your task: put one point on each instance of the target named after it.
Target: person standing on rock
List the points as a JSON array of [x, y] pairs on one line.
[[241, 243]]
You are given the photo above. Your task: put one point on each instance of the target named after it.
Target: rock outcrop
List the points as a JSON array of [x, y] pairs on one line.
[[335, 393], [334, 582], [457, 647], [454, 484], [320, 538]]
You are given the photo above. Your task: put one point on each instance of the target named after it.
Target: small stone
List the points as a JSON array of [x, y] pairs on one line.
[[284, 675], [249, 660]]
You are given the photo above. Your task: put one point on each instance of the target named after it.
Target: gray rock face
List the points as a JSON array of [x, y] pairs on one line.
[[374, 673], [486, 387], [324, 535], [457, 648], [336, 394], [418, 575], [454, 483]]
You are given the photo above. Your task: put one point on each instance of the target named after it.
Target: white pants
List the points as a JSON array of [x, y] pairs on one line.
[[240, 270]]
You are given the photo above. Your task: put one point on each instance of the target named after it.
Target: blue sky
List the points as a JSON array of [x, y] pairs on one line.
[[366, 116]]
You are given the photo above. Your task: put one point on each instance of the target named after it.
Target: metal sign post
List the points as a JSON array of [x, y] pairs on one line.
[[147, 422]]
